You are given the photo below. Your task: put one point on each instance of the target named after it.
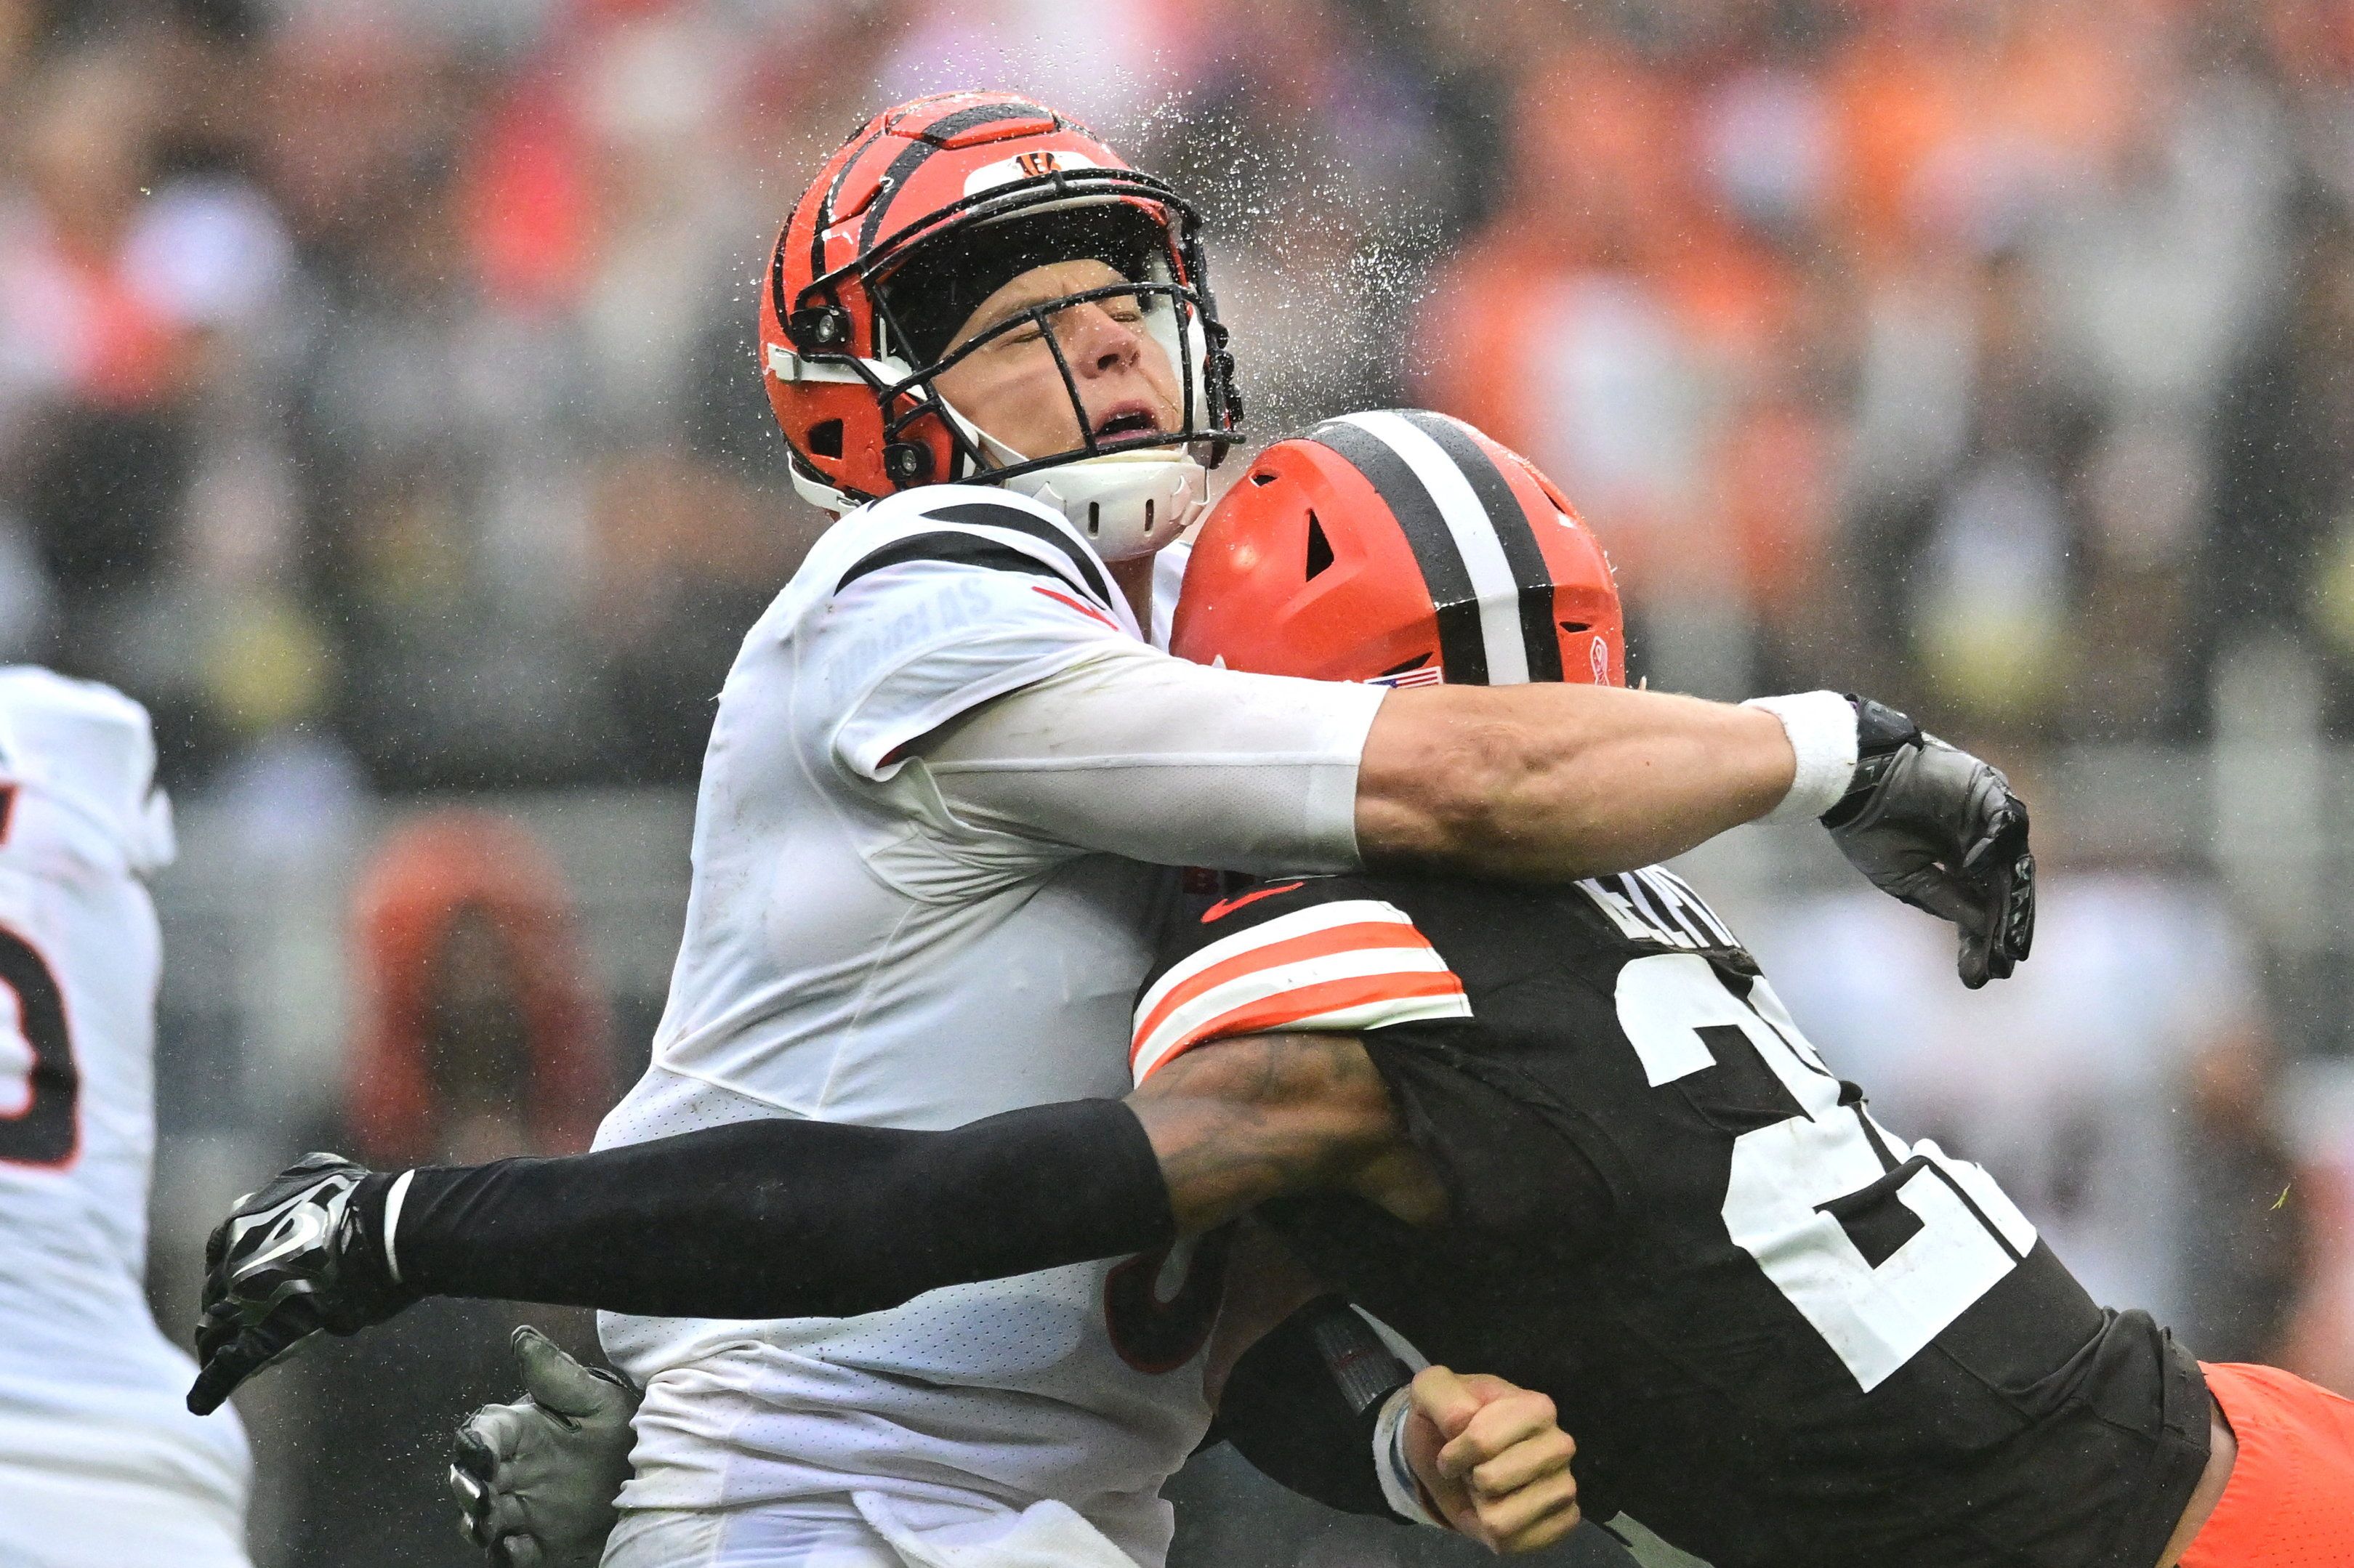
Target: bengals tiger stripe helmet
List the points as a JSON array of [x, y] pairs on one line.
[[1402, 548], [850, 382]]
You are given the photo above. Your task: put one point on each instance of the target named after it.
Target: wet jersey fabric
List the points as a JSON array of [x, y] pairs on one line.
[[91, 1422], [858, 949], [1781, 1334]]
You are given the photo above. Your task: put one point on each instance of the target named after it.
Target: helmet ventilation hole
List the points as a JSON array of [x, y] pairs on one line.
[[1574, 626], [1094, 519], [1147, 516], [1262, 478], [1319, 549], [825, 439]]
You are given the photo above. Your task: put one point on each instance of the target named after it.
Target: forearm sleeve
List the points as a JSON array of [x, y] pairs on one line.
[[1302, 1404], [1137, 753], [781, 1218]]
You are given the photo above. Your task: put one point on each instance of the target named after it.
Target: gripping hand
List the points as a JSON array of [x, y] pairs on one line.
[[535, 1481], [1940, 829], [1492, 1459], [290, 1260]]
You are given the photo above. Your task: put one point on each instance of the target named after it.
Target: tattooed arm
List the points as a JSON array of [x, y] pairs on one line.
[[778, 1217], [1236, 1122]]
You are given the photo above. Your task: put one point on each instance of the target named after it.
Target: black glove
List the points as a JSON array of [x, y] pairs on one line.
[[290, 1260], [535, 1481], [1940, 829]]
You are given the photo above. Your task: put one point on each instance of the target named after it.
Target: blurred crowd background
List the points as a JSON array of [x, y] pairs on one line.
[[377, 404]]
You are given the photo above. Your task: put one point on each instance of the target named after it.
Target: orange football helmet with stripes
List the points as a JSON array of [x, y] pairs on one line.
[[852, 381], [1402, 548]]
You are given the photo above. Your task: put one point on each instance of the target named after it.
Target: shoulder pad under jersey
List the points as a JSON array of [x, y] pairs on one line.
[[1313, 953], [976, 526], [90, 749]]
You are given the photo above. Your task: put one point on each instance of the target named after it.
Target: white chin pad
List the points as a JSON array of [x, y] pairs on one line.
[[1126, 503]]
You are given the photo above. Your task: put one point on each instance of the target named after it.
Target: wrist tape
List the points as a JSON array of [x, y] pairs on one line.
[[1401, 1489], [1822, 730]]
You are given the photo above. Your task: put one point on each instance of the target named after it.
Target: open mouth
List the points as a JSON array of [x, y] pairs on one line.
[[1129, 420]]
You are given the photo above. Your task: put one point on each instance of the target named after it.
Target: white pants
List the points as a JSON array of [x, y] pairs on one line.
[[49, 1520], [1046, 1535]]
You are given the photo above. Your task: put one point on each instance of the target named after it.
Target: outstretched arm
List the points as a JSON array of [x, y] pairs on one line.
[[1550, 781], [1150, 757], [1156, 759], [781, 1218]]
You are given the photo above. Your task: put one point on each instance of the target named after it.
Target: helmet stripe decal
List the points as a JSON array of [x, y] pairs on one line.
[[822, 221], [1540, 639], [1462, 648], [926, 144], [1496, 597]]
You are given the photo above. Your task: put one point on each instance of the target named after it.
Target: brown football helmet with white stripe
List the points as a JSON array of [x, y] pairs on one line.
[[1402, 548]]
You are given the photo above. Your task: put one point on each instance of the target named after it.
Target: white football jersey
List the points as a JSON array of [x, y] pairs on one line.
[[90, 1391], [856, 951]]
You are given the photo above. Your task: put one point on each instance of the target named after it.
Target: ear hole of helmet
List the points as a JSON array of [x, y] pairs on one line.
[[1320, 548], [825, 439], [821, 329], [907, 462]]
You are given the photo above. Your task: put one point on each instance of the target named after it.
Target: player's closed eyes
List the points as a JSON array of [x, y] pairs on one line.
[[1031, 332]]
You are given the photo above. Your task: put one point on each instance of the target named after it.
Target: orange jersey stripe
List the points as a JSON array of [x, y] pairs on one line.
[[1310, 1001], [1350, 938]]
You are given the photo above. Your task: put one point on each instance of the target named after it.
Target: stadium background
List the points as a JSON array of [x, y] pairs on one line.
[[376, 403]]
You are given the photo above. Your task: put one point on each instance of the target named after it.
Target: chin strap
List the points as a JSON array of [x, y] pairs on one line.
[[1126, 503]]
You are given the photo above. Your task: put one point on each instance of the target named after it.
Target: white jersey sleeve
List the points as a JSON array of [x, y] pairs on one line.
[[971, 675], [88, 750], [940, 605], [1134, 753]]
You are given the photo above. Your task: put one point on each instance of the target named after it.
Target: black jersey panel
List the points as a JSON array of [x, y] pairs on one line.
[[1781, 1334], [1511, 1156], [1242, 908]]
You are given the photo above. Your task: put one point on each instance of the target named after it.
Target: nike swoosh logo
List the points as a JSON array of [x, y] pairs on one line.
[[1225, 907]]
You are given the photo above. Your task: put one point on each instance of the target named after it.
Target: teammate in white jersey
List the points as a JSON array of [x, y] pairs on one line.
[[99, 1465], [948, 773]]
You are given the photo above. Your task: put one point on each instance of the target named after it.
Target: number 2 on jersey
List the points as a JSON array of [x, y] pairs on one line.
[[42, 1129], [1795, 1183]]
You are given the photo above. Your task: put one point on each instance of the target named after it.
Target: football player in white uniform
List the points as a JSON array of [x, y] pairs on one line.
[[99, 1465], [947, 775]]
